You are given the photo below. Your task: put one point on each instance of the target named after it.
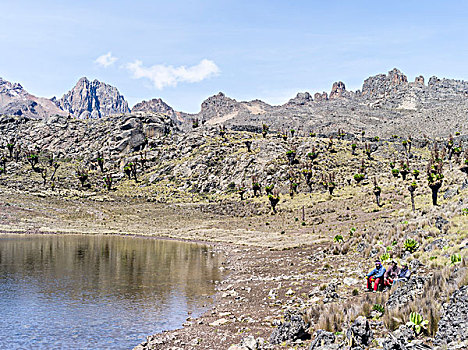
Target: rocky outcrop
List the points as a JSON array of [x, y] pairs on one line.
[[387, 105], [93, 99], [292, 329], [15, 100], [406, 292], [338, 90], [113, 137], [320, 96], [382, 85], [322, 338], [302, 98], [453, 324], [399, 339], [360, 334]]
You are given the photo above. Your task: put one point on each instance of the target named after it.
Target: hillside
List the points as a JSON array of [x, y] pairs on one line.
[[294, 274]]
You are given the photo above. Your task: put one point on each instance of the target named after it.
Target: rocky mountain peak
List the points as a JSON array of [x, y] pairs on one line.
[[218, 105], [15, 100], [382, 85], [93, 100], [11, 89], [156, 105]]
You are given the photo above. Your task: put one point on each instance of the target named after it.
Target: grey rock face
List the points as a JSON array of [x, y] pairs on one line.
[[93, 100], [338, 90], [436, 244], [111, 136], [218, 105], [322, 338], [406, 292], [302, 98], [399, 339], [453, 324], [292, 329], [360, 334]]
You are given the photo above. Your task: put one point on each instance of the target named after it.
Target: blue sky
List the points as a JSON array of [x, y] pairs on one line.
[[186, 51]]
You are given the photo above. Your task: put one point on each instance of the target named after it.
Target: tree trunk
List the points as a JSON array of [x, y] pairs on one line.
[[435, 190]]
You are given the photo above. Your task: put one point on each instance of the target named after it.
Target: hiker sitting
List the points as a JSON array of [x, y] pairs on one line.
[[376, 276], [404, 273], [391, 274]]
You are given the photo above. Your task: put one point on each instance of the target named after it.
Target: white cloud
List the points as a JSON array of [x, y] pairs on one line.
[[106, 60], [162, 75]]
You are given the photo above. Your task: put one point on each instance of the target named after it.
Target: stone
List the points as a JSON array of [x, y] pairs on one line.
[[451, 192], [436, 244], [321, 338], [360, 334], [219, 322], [349, 281], [292, 329], [440, 222], [453, 324], [405, 292]]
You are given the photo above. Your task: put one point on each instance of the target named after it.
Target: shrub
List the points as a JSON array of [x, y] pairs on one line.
[[455, 258], [291, 154], [417, 322], [379, 308], [395, 173], [338, 239], [411, 245], [82, 175], [358, 177], [384, 257]]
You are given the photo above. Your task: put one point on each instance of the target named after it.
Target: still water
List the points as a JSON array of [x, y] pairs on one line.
[[98, 292]]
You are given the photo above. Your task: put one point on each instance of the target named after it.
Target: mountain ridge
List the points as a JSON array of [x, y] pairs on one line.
[[388, 102]]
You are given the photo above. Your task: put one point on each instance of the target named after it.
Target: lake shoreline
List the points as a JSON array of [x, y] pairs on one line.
[[237, 300]]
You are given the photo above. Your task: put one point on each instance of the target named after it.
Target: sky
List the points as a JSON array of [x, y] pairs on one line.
[[186, 51]]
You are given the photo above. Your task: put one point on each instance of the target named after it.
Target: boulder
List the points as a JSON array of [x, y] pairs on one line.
[[321, 339], [360, 334], [292, 329], [406, 292]]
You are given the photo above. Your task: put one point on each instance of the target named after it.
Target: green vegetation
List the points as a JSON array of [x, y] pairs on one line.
[[417, 322], [411, 245]]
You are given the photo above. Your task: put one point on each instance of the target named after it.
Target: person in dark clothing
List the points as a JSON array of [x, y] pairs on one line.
[[404, 273], [375, 276], [391, 274]]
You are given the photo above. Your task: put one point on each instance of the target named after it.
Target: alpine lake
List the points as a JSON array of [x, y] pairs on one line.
[[99, 292]]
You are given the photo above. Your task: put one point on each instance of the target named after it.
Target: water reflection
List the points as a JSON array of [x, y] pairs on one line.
[[106, 292]]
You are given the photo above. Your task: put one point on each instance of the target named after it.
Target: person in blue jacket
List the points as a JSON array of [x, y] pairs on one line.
[[376, 276]]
